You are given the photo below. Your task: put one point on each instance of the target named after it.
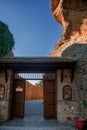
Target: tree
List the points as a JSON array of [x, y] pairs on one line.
[[6, 39]]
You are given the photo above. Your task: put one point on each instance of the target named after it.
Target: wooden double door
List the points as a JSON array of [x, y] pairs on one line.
[[49, 98], [19, 98]]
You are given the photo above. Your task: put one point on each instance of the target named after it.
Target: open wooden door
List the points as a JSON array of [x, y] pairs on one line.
[[49, 99], [19, 98]]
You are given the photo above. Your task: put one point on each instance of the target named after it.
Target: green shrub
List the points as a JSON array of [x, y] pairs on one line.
[[6, 39]]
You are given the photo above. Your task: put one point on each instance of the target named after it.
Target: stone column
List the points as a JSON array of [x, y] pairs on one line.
[[5, 94], [67, 109]]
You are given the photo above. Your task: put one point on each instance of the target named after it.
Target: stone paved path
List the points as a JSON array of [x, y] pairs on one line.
[[31, 128], [34, 120]]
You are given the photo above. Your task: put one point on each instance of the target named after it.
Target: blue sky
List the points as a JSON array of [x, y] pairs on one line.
[[31, 22]]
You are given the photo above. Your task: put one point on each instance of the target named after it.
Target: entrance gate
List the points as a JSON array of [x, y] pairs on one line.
[[34, 65], [49, 93]]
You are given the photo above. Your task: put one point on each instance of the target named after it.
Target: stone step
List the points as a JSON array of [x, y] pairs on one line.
[[35, 128]]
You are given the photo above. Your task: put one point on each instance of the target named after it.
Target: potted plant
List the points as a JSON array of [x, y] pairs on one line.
[[81, 122], [85, 107]]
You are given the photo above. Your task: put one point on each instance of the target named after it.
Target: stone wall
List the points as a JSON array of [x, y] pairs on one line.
[[5, 95], [81, 81], [67, 110], [80, 78], [33, 92]]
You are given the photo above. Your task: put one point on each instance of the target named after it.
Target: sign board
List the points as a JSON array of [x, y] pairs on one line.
[[19, 89]]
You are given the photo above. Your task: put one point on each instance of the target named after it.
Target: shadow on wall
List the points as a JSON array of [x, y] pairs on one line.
[[78, 51]]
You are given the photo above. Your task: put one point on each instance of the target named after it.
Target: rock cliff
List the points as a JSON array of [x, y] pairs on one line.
[[72, 15]]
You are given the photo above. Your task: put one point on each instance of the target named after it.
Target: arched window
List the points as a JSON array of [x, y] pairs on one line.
[[2, 91], [67, 92]]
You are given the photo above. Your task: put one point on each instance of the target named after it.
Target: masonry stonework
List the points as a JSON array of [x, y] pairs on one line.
[[68, 109], [5, 95]]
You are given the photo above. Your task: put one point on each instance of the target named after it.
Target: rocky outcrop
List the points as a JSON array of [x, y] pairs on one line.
[[72, 15], [33, 92]]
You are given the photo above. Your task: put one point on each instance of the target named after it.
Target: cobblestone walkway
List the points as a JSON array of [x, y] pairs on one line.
[[34, 120]]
